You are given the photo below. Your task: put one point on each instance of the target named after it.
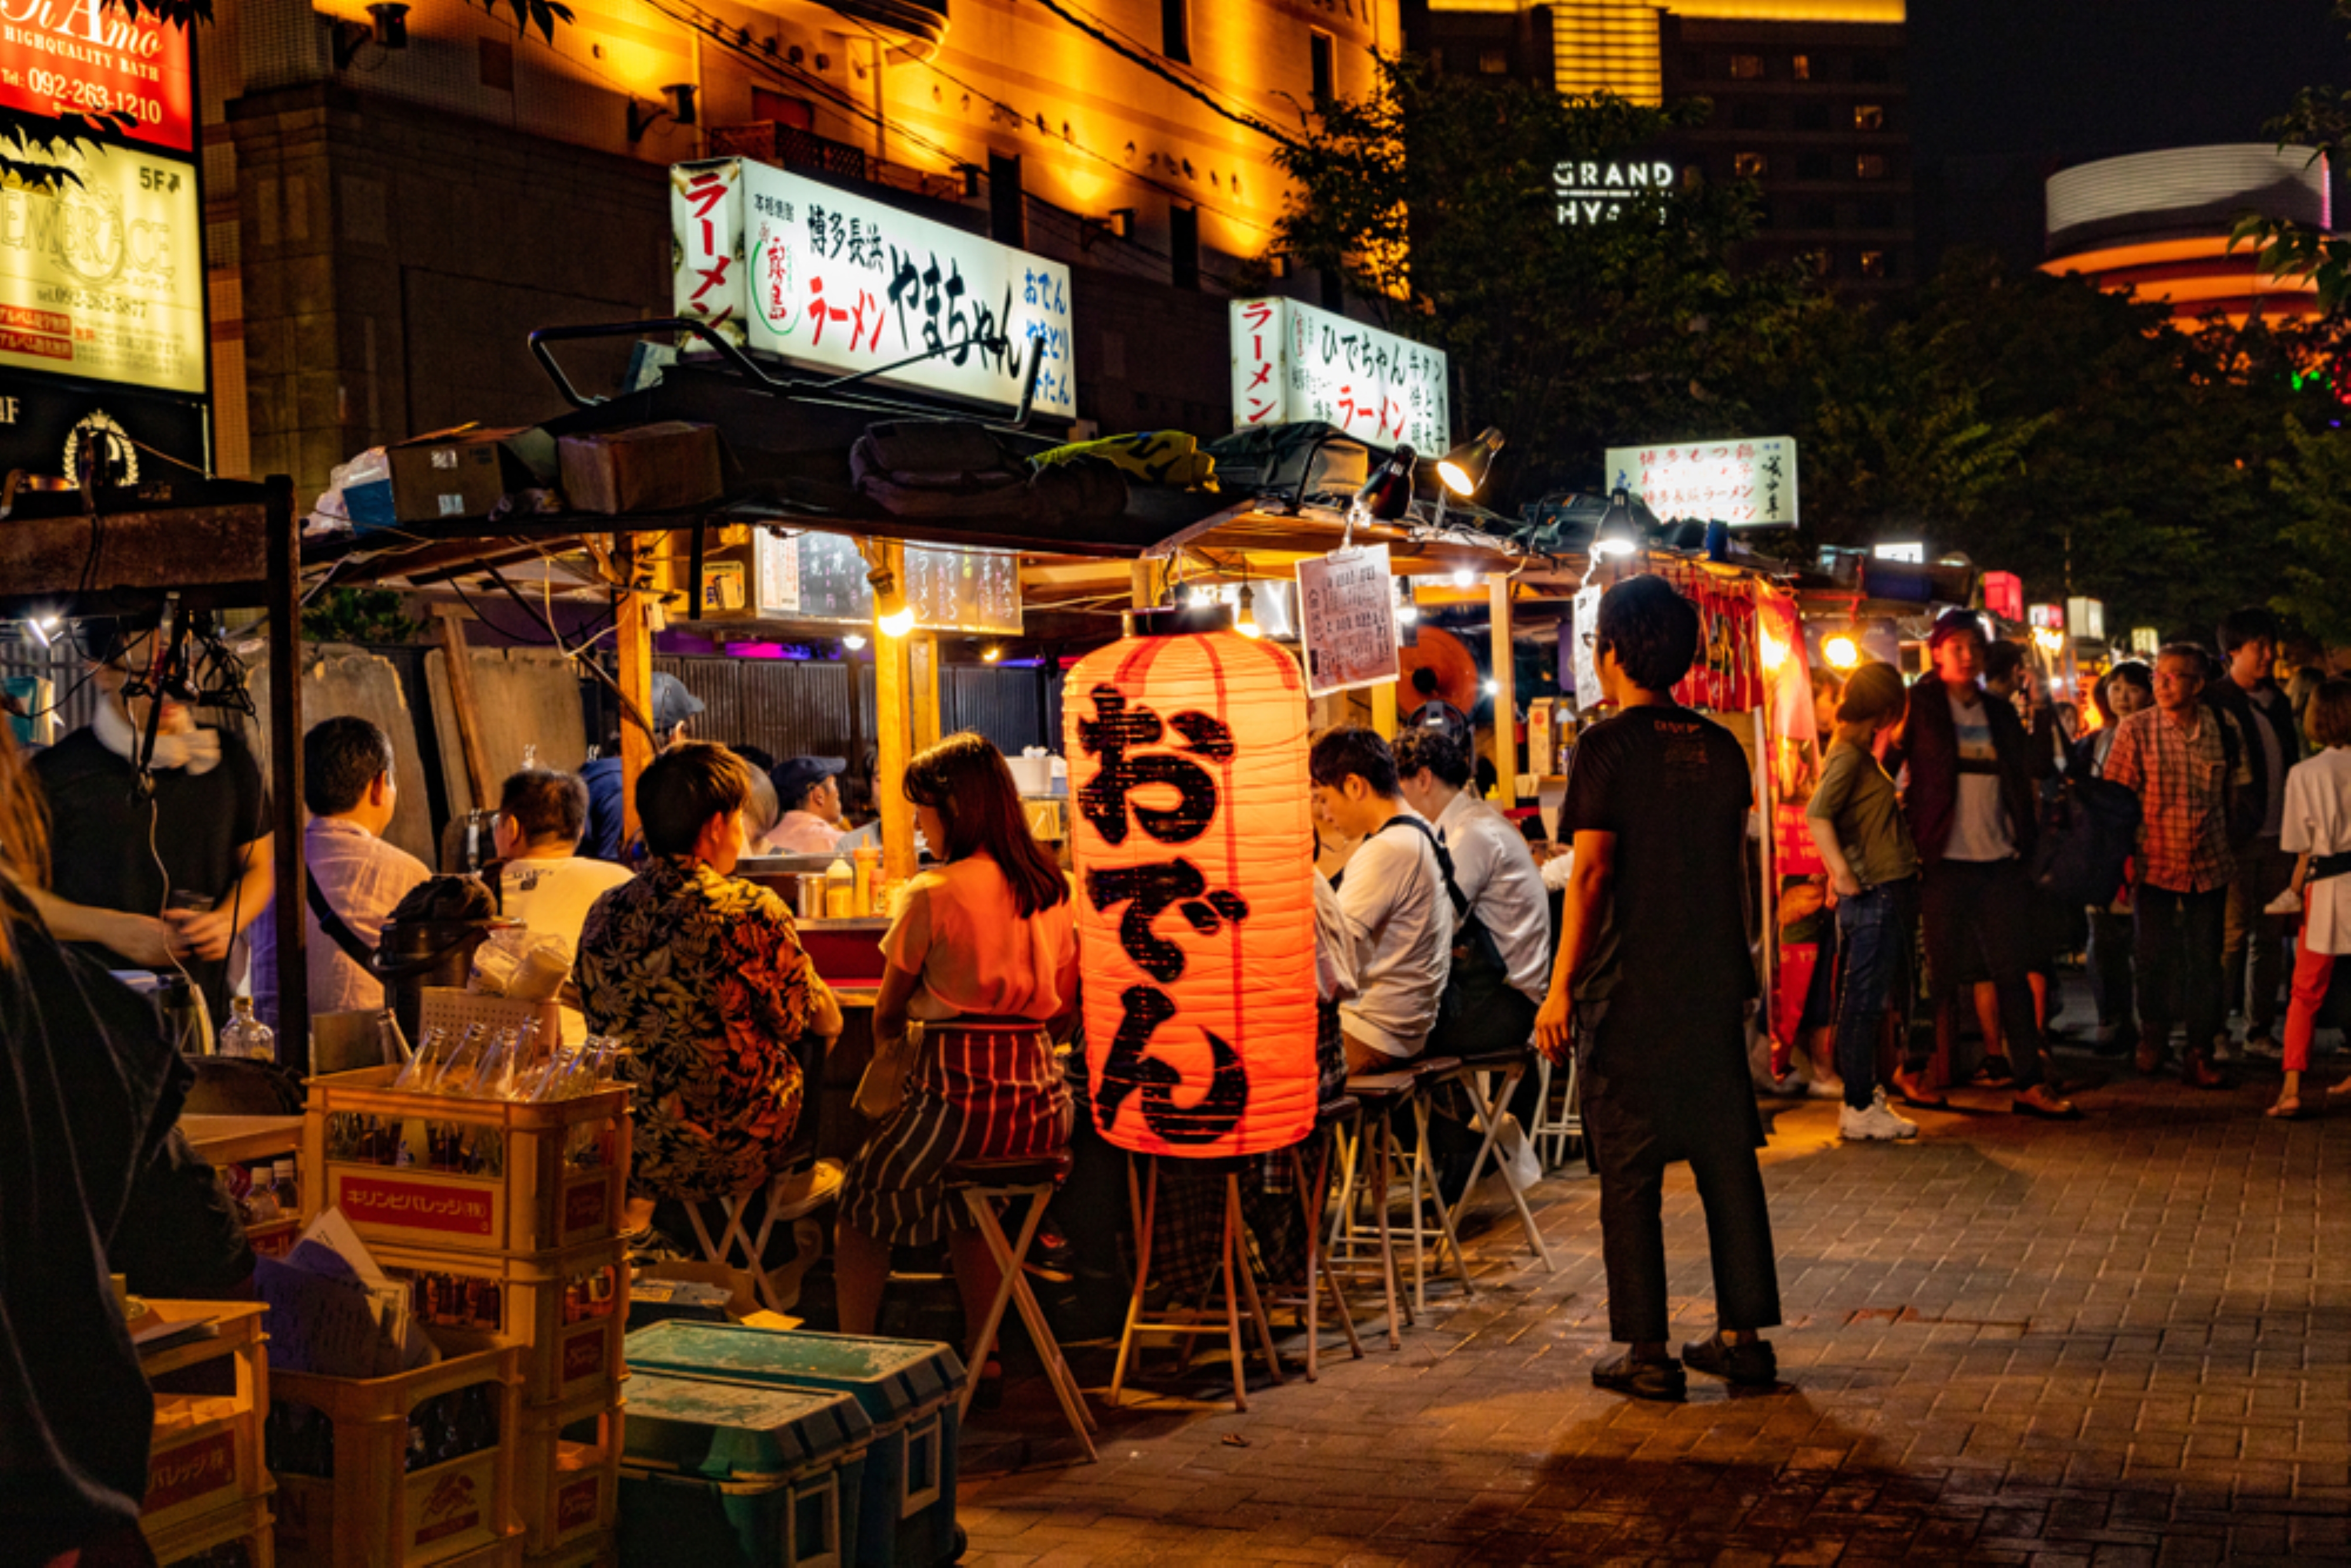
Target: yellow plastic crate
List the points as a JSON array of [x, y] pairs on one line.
[[568, 1464], [205, 1455], [246, 1524], [568, 1310]]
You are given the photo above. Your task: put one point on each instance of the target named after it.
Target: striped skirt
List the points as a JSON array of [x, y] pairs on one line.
[[982, 1087]]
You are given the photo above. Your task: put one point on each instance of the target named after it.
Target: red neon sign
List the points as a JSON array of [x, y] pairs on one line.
[[83, 57]]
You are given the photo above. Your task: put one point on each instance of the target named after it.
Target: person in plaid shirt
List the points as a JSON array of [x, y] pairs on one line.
[[2183, 766]]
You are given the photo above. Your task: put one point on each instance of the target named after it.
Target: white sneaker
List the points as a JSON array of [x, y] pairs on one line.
[[1879, 1123], [1825, 1089], [2286, 902]]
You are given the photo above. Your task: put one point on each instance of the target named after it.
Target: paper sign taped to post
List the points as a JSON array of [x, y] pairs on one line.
[[1346, 619]]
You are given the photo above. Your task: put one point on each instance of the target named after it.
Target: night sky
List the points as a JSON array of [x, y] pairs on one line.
[[2005, 92]]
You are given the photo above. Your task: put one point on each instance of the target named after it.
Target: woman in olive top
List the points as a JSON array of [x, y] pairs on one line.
[[1856, 822]]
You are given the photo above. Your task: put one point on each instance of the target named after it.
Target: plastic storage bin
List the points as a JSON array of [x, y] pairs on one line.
[[567, 1470], [742, 1475], [360, 1480], [479, 1175], [568, 1310], [907, 1388]]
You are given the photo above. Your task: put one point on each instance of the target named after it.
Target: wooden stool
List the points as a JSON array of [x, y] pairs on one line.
[[982, 1184], [1373, 1179], [1487, 1108], [1558, 1124], [1311, 1197], [787, 1199], [1233, 1264]]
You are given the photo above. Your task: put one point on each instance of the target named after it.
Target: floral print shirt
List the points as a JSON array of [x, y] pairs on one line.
[[703, 976]]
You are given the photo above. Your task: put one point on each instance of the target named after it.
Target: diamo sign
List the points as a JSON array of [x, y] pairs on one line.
[[90, 57], [1593, 191], [785, 266]]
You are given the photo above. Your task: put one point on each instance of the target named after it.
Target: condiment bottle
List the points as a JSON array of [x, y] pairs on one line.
[[869, 861], [840, 890]]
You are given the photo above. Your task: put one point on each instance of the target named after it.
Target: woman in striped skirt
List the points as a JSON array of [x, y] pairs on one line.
[[983, 957]]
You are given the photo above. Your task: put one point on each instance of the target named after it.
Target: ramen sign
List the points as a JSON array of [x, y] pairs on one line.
[[128, 73]]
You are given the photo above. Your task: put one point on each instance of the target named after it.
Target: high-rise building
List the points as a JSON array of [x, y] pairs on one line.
[[1811, 103]]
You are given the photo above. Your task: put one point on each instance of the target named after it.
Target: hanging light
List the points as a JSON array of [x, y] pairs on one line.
[[1619, 533], [853, 642], [1387, 493], [1465, 579], [1842, 650], [893, 616], [1245, 621], [1463, 469], [990, 653], [40, 626]]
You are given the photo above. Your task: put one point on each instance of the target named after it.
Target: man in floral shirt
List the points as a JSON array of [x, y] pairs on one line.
[[703, 975]]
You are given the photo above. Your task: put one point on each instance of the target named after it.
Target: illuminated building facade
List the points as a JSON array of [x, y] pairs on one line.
[[2157, 224], [1809, 103], [388, 217]]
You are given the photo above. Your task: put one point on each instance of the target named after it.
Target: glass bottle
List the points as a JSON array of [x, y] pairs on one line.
[[285, 1187], [247, 1036]]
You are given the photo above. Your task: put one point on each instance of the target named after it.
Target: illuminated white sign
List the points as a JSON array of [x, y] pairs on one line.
[[1747, 482], [2086, 618], [1291, 361], [1915, 554], [786, 266], [1592, 191]]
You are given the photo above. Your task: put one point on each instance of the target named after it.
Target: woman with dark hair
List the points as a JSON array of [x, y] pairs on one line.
[[983, 958], [2120, 692]]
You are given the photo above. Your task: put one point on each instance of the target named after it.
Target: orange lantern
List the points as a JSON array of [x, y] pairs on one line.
[[1189, 825]]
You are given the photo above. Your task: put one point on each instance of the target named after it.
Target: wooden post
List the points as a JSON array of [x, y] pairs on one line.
[[1143, 584], [461, 699], [292, 892], [924, 650], [1384, 710], [1506, 739], [894, 720], [633, 648]]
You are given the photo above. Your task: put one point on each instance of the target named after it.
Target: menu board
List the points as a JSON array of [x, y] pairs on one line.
[[821, 577], [1346, 605]]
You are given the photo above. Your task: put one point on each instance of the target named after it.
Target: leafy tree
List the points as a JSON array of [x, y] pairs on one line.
[[2319, 120], [1434, 197], [2313, 488]]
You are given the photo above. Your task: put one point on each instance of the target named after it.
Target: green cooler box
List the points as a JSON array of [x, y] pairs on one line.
[[727, 1474], [907, 1388]]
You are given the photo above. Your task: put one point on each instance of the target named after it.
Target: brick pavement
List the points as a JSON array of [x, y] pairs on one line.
[[2122, 1342]]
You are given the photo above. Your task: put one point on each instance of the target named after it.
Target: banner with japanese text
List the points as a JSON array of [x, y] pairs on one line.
[[1293, 362], [105, 279], [1747, 482]]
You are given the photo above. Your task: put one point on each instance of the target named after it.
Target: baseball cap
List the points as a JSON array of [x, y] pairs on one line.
[[672, 704], [794, 775], [1952, 623]]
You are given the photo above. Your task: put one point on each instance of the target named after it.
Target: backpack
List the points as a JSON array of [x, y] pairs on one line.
[[1467, 1021], [2088, 833]]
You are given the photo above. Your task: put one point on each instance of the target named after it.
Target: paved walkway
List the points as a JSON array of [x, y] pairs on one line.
[[2123, 1342]]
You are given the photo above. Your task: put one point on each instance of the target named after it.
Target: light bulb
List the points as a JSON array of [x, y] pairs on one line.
[[1842, 651], [897, 624], [1465, 579], [1613, 546], [853, 642], [989, 656], [1493, 688], [1407, 614]]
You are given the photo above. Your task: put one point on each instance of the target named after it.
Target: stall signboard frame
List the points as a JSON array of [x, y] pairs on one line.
[[821, 577], [785, 266], [1293, 362], [1346, 619], [1744, 481]]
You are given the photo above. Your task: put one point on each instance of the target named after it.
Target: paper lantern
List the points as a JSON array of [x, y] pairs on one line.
[[1189, 825]]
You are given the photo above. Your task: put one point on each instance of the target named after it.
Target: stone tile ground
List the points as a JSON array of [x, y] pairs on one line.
[[2123, 1342]]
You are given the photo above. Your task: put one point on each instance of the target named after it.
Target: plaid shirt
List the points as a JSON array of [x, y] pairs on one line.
[[2181, 775]]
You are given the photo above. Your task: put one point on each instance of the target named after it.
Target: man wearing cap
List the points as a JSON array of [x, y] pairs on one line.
[[1972, 819], [672, 705], [809, 790]]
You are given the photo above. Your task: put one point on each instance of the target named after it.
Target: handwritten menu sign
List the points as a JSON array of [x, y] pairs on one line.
[[821, 577], [1347, 619], [1747, 482], [1291, 361]]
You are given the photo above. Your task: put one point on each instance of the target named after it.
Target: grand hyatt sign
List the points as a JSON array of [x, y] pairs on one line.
[[1590, 191]]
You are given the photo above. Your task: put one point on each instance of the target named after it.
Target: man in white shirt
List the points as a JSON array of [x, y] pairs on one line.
[[1393, 895], [1496, 873], [547, 883], [347, 783]]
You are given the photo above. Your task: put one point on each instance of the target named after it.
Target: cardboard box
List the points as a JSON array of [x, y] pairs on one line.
[[651, 468], [465, 472]]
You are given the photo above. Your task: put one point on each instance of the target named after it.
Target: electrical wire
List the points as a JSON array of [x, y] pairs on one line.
[[1103, 36]]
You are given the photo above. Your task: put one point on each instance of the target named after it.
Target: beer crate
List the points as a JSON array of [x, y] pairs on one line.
[[401, 1472], [237, 1536], [463, 1174], [205, 1455], [599, 1551], [568, 1466], [568, 1310]]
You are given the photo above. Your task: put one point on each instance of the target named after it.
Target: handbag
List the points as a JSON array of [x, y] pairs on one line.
[[2088, 834], [882, 1087]]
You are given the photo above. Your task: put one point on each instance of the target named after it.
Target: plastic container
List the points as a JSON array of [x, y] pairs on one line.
[[535, 1177], [244, 1524], [840, 891], [205, 1455], [907, 1388], [569, 1311], [737, 1475], [351, 1499], [867, 862], [567, 1470]]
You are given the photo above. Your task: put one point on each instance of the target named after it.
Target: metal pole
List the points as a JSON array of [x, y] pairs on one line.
[[292, 894]]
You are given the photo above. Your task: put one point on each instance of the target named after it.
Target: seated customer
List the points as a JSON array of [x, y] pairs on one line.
[[1393, 895], [809, 790], [347, 783], [547, 883], [702, 976], [983, 956]]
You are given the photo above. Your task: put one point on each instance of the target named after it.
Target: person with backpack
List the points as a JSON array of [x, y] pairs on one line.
[[1856, 822], [1393, 895], [2177, 757]]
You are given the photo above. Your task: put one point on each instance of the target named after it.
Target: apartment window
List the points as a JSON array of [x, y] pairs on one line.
[[1008, 208], [778, 109], [1877, 214], [497, 64], [1750, 117], [1799, 67], [1876, 264], [1693, 66], [1819, 216], [1747, 67], [1869, 166], [1812, 116], [1872, 67], [1494, 62], [1183, 246], [1869, 117], [1176, 30], [1821, 263], [1814, 166], [1323, 61], [1747, 165]]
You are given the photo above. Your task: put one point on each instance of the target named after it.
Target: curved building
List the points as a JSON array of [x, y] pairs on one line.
[[2158, 224]]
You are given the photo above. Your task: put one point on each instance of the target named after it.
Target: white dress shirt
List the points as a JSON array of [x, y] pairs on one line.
[[364, 879], [1497, 873], [1335, 949], [1401, 923]]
